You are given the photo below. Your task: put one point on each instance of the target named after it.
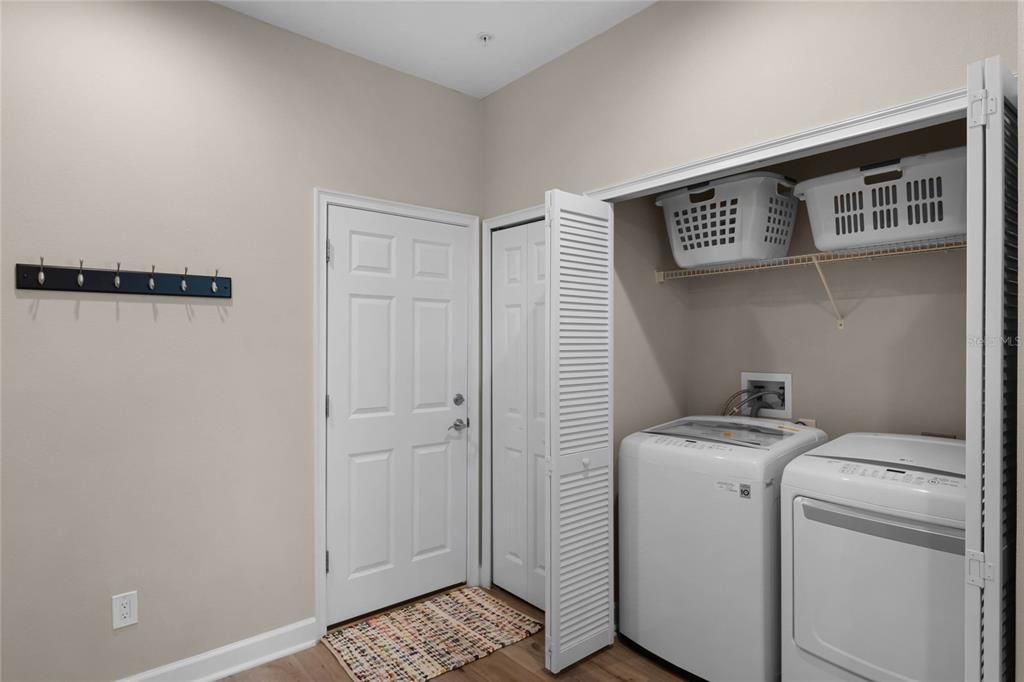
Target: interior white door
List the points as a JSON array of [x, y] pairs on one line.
[[509, 385], [992, 357], [580, 615], [397, 356], [518, 386]]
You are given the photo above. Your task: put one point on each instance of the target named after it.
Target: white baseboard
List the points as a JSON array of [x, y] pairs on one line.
[[237, 656]]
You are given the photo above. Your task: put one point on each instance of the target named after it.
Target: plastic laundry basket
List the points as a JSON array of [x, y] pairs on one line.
[[918, 198], [747, 217]]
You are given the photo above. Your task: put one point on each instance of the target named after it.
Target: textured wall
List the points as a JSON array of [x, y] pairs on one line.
[[683, 81], [651, 362], [161, 445]]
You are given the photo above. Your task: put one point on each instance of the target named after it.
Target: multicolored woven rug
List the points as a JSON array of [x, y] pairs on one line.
[[429, 638]]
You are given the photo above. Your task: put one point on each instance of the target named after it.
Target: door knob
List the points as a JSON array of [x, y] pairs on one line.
[[458, 425]]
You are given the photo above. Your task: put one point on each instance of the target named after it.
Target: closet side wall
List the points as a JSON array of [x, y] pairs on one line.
[[651, 352], [682, 81]]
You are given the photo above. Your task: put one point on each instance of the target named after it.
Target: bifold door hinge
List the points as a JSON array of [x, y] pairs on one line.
[[980, 106], [327, 406], [978, 571], [327, 561]]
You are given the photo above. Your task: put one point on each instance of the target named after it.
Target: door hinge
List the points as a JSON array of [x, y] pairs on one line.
[[327, 406], [980, 107], [978, 571], [327, 561], [330, 248]]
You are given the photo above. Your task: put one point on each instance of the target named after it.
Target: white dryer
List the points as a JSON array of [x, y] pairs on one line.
[[873, 560], [699, 541]]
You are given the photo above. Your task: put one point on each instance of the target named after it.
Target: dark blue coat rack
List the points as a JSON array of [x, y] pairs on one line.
[[40, 277]]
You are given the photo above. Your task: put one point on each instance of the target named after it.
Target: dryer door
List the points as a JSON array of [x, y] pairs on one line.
[[878, 595]]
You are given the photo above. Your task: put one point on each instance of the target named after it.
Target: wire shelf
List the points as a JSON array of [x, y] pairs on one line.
[[816, 259]]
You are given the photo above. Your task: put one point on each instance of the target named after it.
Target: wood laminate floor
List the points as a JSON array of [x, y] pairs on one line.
[[521, 661]]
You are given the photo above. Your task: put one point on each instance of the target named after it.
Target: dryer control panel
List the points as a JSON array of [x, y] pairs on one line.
[[895, 474], [885, 486]]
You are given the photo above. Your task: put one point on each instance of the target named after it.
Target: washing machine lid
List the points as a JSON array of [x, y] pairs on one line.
[[742, 432], [926, 454]]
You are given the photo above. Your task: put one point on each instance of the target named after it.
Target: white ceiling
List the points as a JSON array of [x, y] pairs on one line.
[[438, 41]]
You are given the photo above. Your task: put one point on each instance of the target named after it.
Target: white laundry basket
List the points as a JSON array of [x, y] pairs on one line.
[[918, 198], [747, 217]]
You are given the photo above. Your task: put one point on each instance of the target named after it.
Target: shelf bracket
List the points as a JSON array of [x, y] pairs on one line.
[[840, 322]]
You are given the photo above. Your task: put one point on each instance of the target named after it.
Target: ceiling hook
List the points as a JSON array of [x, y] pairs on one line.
[[81, 275], [41, 277]]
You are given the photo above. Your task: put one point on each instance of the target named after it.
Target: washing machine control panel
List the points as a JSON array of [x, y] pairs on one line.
[[855, 470], [690, 444]]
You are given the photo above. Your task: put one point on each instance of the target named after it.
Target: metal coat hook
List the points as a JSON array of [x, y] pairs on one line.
[[213, 284], [81, 275], [117, 277], [184, 281], [152, 278], [41, 277]]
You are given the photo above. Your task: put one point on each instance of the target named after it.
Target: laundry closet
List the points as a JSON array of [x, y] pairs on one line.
[[881, 340]]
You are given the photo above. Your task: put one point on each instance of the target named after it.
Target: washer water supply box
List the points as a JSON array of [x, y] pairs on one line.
[[918, 198], [746, 217]]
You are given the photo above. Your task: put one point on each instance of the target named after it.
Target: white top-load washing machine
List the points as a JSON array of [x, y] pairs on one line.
[[699, 541], [873, 560]]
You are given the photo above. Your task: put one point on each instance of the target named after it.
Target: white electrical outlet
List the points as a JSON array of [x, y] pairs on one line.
[[778, 408], [125, 609]]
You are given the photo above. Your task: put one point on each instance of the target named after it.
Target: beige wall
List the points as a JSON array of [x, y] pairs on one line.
[[166, 447], [686, 80], [897, 366], [680, 346], [160, 445], [650, 324]]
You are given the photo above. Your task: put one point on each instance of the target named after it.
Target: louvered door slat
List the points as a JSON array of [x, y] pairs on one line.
[[580, 607], [992, 326]]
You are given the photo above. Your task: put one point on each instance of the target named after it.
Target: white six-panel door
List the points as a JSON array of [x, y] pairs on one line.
[[397, 355], [519, 388], [509, 385]]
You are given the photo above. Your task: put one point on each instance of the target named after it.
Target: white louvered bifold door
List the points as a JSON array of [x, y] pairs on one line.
[[992, 259], [580, 611]]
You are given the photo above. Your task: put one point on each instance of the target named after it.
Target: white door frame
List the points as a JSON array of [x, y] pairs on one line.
[[940, 108], [322, 200]]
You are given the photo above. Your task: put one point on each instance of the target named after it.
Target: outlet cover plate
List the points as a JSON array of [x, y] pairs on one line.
[[747, 379], [125, 609]]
